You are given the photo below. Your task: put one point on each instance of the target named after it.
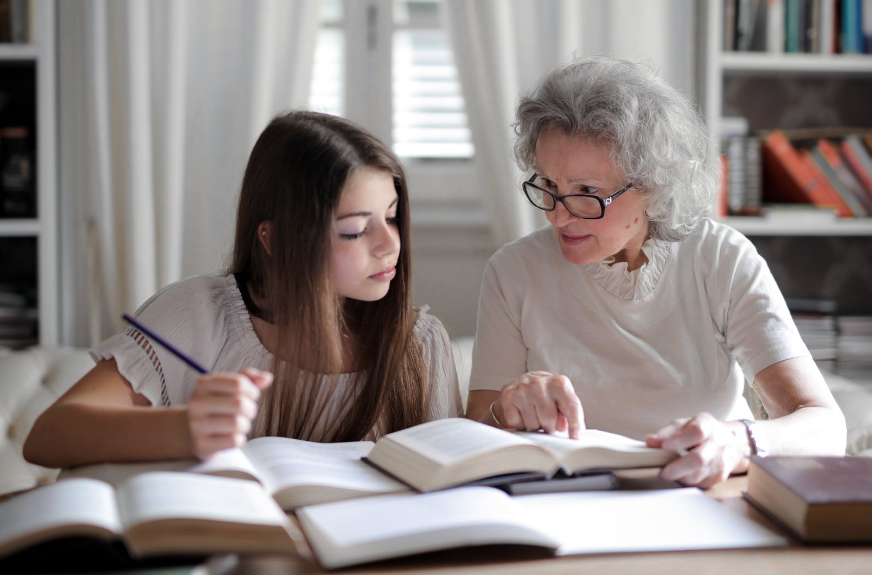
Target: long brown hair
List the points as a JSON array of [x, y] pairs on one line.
[[294, 179]]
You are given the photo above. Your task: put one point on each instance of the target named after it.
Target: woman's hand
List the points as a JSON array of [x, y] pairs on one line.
[[540, 400], [715, 449], [222, 408]]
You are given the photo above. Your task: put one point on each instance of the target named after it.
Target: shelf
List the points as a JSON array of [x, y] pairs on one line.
[[23, 52], [793, 64], [761, 226], [24, 227]]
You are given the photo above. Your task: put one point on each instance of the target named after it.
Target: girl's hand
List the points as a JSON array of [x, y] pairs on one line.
[[715, 449], [222, 408], [540, 400]]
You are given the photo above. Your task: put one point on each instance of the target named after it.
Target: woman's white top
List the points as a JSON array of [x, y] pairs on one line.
[[205, 318], [673, 338]]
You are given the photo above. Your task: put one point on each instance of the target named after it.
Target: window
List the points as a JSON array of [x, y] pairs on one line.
[[404, 88]]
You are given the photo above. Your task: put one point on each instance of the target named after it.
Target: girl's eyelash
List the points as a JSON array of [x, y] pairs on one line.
[[352, 236]]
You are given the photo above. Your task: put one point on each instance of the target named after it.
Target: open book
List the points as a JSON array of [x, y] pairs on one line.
[[364, 530], [450, 452], [153, 514], [293, 471]]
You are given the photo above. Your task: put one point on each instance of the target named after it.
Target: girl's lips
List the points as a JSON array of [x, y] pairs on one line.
[[384, 276], [574, 240]]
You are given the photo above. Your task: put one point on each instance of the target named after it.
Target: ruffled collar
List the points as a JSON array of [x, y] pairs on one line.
[[631, 285]]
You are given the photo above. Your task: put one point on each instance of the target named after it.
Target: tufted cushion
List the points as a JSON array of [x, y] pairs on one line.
[[30, 381]]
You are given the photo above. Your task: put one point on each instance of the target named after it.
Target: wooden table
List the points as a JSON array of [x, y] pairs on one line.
[[508, 560]]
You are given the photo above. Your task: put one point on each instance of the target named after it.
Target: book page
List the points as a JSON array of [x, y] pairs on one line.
[[166, 495], [448, 441], [226, 463], [561, 446], [65, 503], [658, 520], [283, 462], [361, 530]]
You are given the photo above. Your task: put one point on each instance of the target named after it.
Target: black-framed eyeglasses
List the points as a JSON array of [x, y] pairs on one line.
[[585, 206]]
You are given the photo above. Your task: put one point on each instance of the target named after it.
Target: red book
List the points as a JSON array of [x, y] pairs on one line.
[[788, 178], [831, 153], [825, 195], [721, 204]]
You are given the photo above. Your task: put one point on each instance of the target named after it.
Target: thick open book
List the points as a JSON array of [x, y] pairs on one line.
[[159, 513], [451, 452], [365, 530], [293, 471]]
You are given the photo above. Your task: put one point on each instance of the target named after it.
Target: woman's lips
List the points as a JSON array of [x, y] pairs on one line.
[[572, 240], [386, 275]]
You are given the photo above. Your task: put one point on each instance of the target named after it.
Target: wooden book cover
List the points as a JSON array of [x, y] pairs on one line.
[[824, 499]]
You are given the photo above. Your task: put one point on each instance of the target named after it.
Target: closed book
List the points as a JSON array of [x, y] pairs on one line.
[[859, 160], [820, 499], [846, 176], [833, 178], [789, 178], [824, 194], [775, 26]]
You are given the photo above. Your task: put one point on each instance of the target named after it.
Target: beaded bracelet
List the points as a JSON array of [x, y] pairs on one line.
[[494, 415]]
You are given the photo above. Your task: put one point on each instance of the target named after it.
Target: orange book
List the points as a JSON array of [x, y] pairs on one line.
[[852, 186], [721, 204], [791, 176], [786, 178], [824, 194]]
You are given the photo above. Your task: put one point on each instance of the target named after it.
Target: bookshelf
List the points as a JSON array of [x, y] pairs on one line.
[[28, 233], [838, 74]]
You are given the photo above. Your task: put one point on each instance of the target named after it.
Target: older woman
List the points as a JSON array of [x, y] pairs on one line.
[[633, 312]]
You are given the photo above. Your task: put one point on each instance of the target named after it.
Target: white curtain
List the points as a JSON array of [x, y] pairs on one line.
[[502, 48], [160, 103]]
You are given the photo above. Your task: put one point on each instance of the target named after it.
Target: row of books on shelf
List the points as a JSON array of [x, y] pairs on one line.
[[16, 21], [19, 319], [838, 343], [17, 173], [798, 26], [829, 168]]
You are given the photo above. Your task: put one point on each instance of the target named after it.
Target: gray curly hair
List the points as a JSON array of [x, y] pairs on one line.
[[657, 138]]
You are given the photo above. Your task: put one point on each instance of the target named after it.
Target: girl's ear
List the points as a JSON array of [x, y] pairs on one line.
[[264, 234]]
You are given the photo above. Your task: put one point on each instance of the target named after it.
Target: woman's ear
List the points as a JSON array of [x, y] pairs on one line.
[[264, 234]]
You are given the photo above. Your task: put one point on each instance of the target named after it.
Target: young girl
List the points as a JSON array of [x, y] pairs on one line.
[[318, 293]]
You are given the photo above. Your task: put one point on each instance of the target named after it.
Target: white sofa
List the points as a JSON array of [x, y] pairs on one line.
[[31, 380]]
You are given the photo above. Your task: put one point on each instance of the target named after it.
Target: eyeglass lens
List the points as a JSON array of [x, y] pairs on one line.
[[581, 206]]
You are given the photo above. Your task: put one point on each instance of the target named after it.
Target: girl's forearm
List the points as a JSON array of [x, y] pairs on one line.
[[71, 434]]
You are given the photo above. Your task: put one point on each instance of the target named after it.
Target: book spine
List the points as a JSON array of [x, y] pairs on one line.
[[826, 21], [850, 19], [785, 177], [730, 9], [775, 26], [833, 178], [860, 156], [753, 175], [831, 153], [861, 173], [792, 26], [721, 201], [19, 21], [736, 180], [867, 26], [824, 195]]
